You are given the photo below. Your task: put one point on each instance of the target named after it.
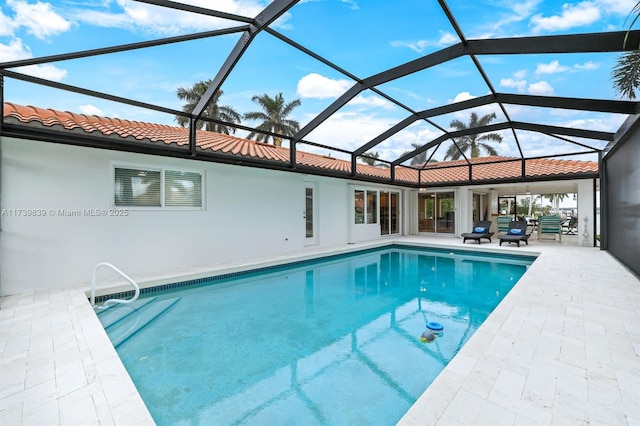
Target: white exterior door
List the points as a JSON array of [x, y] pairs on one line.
[[309, 214]]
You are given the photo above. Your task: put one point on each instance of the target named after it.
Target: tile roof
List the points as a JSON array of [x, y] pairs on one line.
[[449, 172]]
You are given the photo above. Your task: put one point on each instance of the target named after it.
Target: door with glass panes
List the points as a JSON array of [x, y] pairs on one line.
[[436, 212], [309, 214], [389, 212]]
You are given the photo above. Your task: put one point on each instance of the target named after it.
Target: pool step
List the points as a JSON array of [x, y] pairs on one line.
[[134, 318], [116, 312]]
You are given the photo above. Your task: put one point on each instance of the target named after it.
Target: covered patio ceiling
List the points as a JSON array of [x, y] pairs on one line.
[[368, 99]]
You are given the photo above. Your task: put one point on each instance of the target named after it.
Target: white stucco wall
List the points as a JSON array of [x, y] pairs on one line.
[[585, 210], [249, 213]]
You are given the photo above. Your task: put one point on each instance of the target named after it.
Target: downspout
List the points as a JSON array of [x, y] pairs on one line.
[[192, 136]]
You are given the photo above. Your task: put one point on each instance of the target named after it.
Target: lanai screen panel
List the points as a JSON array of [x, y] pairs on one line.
[[348, 33], [408, 140], [396, 59], [552, 74], [363, 118], [537, 144]]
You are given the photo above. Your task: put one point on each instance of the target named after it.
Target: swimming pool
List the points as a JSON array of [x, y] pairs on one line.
[[335, 341]]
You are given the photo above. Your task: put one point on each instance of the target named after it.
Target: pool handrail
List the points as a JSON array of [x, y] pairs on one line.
[[111, 301]]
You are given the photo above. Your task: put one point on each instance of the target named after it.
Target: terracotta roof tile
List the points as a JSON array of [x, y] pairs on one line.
[[454, 172]]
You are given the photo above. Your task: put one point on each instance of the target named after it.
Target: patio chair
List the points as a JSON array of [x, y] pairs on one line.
[[517, 232], [481, 229], [550, 225], [570, 227], [503, 223]]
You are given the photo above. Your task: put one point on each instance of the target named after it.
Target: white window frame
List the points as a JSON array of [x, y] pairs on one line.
[[366, 213], [161, 169]]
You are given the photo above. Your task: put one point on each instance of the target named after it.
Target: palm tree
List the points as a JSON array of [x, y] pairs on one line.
[[213, 110], [274, 118], [420, 158], [473, 142], [370, 158], [626, 73], [555, 200]]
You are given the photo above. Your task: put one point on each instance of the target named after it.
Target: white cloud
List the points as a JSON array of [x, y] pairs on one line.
[[90, 110], [416, 46], [620, 7], [590, 65], [320, 87], [463, 96], [523, 9], [517, 81], [16, 50], [353, 5], [520, 75], [517, 11], [608, 123], [38, 18], [6, 25], [161, 20], [552, 67], [481, 110], [349, 130], [371, 102], [46, 71], [541, 88], [521, 85], [446, 38], [573, 15]]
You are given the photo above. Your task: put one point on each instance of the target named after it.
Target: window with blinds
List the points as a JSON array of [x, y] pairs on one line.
[[136, 187], [182, 189]]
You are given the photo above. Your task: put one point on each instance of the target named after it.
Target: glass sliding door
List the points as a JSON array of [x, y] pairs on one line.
[[436, 212], [480, 207], [389, 212], [394, 212], [384, 213]]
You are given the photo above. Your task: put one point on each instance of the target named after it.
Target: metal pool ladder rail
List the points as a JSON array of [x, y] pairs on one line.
[[111, 301]]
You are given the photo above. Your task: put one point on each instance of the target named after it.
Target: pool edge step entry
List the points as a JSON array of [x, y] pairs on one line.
[[135, 321], [116, 313]]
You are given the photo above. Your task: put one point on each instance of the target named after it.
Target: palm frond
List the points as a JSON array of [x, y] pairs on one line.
[[626, 74]]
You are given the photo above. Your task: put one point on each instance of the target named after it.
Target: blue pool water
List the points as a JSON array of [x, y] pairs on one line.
[[334, 342]]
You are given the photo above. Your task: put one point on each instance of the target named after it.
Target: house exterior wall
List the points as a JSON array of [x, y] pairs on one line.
[[248, 213]]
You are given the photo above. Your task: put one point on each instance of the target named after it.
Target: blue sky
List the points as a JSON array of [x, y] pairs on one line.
[[363, 37]]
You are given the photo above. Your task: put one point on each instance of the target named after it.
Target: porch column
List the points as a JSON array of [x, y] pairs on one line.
[[585, 210], [410, 216], [464, 214]]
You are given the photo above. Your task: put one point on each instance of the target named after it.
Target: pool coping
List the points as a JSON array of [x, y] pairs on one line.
[[123, 290], [488, 377]]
